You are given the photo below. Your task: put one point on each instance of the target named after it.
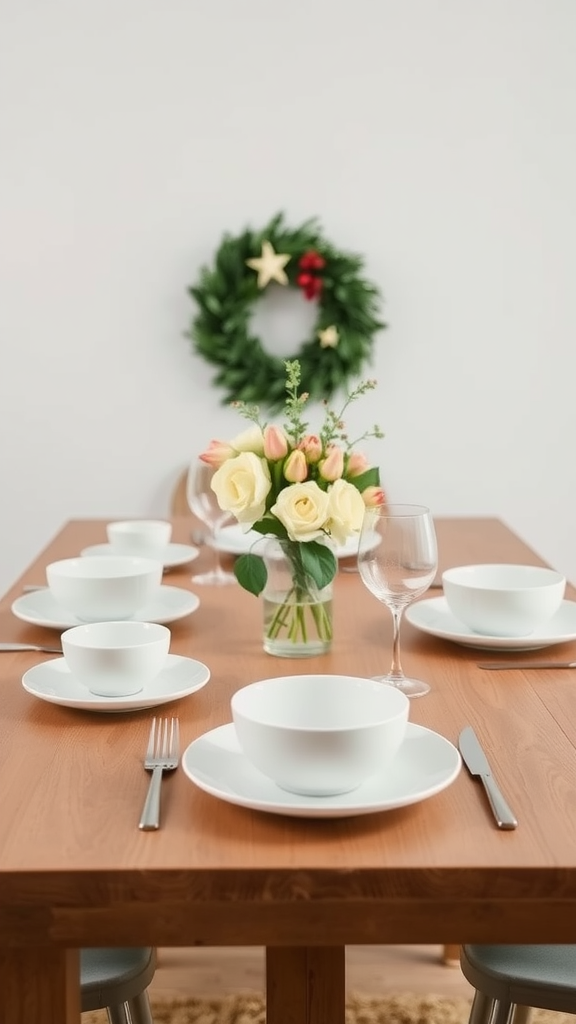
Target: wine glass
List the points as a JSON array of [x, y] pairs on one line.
[[397, 561], [204, 504]]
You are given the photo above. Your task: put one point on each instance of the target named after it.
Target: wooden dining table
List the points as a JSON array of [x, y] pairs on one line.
[[75, 870]]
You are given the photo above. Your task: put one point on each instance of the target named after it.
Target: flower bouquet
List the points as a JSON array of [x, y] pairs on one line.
[[305, 490]]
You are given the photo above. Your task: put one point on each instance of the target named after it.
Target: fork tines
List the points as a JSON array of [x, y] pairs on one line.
[[162, 754], [164, 739]]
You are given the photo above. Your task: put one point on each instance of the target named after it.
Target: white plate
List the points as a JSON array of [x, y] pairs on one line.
[[52, 681], [170, 556], [425, 764], [233, 541], [434, 616], [40, 608]]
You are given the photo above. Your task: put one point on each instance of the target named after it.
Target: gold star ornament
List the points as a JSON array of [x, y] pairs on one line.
[[329, 337], [270, 265]]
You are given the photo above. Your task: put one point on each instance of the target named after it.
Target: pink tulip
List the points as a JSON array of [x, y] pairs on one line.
[[357, 464], [373, 497], [275, 443], [311, 445], [217, 453], [333, 465], [296, 467]]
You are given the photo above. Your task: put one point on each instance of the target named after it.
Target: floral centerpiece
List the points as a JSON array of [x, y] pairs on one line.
[[303, 489]]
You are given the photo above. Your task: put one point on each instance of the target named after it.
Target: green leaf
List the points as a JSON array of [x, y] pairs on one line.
[[370, 478], [319, 562], [273, 526], [213, 304], [251, 574]]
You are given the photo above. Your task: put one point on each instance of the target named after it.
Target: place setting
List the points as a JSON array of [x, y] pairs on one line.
[[147, 538], [115, 645], [499, 607], [321, 746], [103, 588], [115, 667]]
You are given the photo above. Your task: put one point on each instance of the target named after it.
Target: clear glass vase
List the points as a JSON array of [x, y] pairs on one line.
[[297, 615]]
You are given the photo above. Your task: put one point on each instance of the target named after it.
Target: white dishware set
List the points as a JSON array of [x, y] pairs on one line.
[[52, 681], [503, 600], [108, 588], [113, 608], [499, 607], [302, 745], [319, 735], [116, 659], [121, 579], [322, 746], [147, 538]]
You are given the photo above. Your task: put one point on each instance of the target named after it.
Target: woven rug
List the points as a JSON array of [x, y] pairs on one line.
[[395, 1009]]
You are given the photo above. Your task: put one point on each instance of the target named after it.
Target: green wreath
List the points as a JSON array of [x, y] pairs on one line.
[[226, 293]]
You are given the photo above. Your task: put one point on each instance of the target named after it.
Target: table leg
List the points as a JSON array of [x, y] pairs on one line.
[[451, 955], [39, 985], [305, 985]]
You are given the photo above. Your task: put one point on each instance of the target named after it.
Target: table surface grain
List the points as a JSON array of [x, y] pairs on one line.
[[75, 869]]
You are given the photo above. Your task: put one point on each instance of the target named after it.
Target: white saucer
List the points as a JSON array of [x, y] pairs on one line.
[[52, 681], [233, 541], [40, 608], [170, 556], [434, 616], [425, 764]]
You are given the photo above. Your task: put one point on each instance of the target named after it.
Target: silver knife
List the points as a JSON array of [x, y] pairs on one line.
[[526, 664], [477, 764], [29, 647]]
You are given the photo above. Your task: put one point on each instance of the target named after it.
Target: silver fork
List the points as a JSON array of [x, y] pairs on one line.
[[162, 755]]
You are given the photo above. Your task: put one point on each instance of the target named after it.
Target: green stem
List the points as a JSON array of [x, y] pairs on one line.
[[301, 600]]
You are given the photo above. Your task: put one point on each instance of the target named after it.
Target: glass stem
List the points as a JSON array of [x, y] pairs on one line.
[[217, 561], [216, 553], [396, 667]]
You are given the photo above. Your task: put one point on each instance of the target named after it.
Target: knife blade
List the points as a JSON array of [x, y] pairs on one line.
[[526, 664], [477, 764], [9, 646]]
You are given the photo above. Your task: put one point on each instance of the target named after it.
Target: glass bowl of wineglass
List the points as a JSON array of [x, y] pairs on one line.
[[397, 562], [203, 502]]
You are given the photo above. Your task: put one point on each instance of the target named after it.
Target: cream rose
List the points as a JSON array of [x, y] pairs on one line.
[[241, 486], [345, 510], [249, 440], [303, 510]]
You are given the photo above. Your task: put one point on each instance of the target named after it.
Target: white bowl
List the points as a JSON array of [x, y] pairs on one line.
[[501, 599], [146, 537], [319, 735], [115, 659], [104, 587]]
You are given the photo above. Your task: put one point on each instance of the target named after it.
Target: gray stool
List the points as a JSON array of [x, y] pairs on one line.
[[510, 980], [116, 980]]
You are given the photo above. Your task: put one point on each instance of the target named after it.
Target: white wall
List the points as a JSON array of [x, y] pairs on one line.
[[436, 138]]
